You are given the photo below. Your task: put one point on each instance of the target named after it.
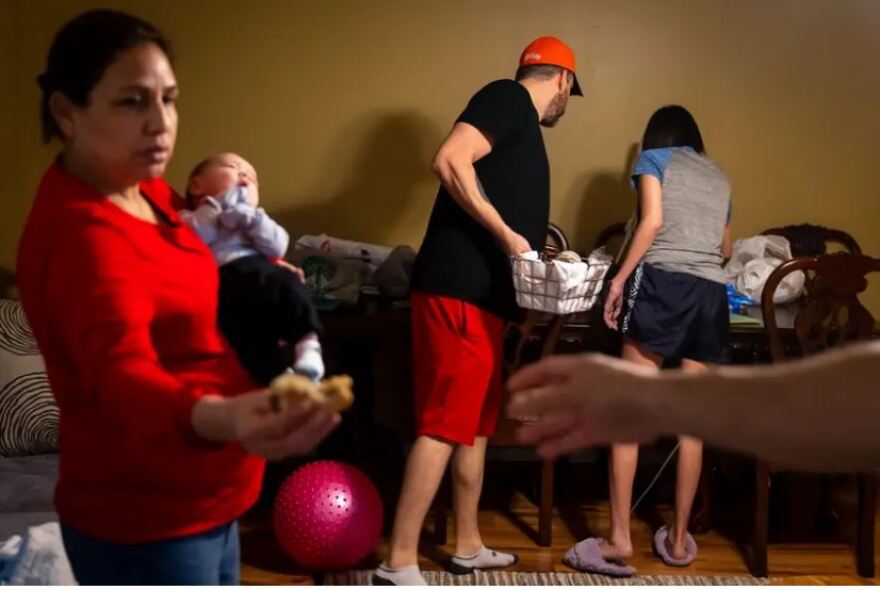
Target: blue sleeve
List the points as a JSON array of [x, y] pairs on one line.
[[652, 162], [204, 220], [269, 238]]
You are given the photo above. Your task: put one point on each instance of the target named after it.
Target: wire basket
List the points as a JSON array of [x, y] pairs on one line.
[[558, 287]]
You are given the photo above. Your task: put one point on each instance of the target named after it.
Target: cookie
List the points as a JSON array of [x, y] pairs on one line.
[[333, 394]]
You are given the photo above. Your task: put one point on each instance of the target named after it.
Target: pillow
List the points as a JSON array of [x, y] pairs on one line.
[[28, 413]]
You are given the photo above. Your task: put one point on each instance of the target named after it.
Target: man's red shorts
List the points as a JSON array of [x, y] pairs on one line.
[[457, 358]]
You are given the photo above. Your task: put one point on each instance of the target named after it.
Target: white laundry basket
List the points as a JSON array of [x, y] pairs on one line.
[[558, 287]]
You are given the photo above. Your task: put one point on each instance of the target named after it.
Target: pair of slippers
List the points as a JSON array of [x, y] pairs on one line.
[[586, 556]]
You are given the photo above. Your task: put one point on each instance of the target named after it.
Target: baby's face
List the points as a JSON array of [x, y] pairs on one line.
[[224, 173]]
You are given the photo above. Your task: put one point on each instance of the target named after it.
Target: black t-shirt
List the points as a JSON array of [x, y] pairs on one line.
[[459, 257]]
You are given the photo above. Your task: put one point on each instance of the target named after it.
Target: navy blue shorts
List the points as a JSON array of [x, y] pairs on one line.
[[676, 315]]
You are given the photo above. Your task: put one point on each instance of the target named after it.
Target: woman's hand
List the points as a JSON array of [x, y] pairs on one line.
[[583, 401], [614, 303], [250, 420]]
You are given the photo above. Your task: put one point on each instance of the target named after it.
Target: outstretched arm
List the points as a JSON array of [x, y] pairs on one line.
[[819, 413]]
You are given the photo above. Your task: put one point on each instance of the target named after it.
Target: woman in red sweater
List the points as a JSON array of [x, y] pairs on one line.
[[162, 435]]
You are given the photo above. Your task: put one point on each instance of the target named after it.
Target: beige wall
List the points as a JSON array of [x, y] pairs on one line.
[[12, 205], [341, 103]]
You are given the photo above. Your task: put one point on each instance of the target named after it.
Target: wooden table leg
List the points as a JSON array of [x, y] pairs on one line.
[[554, 329], [545, 511], [525, 332], [867, 483], [762, 515]]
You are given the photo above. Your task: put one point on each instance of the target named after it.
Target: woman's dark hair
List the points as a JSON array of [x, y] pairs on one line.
[[672, 126], [81, 52]]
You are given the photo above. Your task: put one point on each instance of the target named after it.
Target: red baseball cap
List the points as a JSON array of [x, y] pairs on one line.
[[551, 51]]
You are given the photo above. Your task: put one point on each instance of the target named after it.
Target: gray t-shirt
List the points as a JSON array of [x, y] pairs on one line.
[[696, 209]]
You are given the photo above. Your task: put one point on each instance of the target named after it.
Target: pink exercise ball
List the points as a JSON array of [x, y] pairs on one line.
[[328, 516]]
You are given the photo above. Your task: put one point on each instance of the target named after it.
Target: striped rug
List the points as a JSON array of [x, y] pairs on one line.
[[362, 578]]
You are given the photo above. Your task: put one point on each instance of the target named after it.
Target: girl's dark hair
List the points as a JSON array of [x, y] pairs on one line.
[[81, 52], [672, 126]]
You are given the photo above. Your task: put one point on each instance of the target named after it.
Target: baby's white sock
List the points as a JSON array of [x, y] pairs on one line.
[[309, 361]]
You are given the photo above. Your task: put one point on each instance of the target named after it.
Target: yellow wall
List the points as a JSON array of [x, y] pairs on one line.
[[12, 205], [341, 103]]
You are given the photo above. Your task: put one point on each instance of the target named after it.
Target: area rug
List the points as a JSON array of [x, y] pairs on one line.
[[362, 578]]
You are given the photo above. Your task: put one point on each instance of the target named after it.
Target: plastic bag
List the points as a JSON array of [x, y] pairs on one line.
[[36, 558], [372, 254], [329, 278], [752, 262], [736, 301]]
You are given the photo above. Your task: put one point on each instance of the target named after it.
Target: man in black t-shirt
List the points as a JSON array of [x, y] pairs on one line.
[[493, 203]]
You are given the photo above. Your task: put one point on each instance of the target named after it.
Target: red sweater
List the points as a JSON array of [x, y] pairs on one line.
[[124, 312]]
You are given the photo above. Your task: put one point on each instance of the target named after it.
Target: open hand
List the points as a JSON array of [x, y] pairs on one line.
[[584, 400]]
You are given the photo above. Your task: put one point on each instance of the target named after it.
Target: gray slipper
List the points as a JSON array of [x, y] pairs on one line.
[[586, 556], [660, 549]]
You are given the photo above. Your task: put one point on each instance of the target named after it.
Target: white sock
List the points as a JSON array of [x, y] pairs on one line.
[[401, 576], [309, 361], [486, 558]]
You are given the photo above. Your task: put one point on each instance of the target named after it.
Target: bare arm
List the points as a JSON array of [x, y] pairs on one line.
[[818, 414], [727, 244], [650, 222], [822, 413], [454, 166]]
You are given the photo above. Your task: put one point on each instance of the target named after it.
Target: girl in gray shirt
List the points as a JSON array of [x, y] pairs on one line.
[[669, 302]]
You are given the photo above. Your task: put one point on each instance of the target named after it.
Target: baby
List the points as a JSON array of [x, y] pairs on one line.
[[262, 302]]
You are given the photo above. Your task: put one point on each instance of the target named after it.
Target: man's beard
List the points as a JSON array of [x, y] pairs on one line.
[[555, 110]]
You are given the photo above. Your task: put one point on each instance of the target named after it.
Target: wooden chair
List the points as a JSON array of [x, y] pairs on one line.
[[831, 315], [556, 241], [813, 240], [609, 233], [505, 434]]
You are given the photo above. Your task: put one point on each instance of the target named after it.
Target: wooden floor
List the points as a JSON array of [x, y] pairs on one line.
[[805, 564]]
